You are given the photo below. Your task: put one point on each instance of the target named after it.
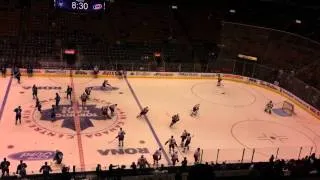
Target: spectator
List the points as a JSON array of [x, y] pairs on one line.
[[21, 169], [45, 169], [271, 159], [111, 166], [142, 162], [4, 166], [184, 162], [133, 166]]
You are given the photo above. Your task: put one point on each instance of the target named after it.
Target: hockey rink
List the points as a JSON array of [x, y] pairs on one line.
[[231, 125]]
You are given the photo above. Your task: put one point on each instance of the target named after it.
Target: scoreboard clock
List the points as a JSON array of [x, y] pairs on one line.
[[80, 5]]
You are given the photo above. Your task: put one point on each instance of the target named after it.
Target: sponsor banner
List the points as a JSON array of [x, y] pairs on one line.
[[55, 71], [315, 111], [32, 155], [81, 72], [232, 76], [108, 73], [163, 74], [209, 75], [188, 74], [252, 80], [139, 73], [269, 85]]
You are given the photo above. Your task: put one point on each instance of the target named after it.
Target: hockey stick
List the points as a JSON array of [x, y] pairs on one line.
[[109, 142]]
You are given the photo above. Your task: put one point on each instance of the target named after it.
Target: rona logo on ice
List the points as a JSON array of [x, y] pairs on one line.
[[32, 155]]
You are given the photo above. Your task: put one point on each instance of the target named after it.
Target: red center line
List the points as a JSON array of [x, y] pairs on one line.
[[76, 118]]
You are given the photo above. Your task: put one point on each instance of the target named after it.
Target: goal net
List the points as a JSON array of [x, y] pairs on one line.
[[288, 108]]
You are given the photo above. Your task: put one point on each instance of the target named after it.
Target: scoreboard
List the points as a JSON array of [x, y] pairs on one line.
[[80, 5]]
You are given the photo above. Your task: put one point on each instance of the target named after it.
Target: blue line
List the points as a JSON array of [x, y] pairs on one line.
[[148, 122], [5, 97]]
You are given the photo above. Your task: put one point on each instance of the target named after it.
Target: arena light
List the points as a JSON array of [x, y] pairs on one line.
[[174, 7], [69, 51], [298, 21], [232, 11]]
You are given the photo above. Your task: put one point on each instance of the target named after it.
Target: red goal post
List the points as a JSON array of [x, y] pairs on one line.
[[288, 107]]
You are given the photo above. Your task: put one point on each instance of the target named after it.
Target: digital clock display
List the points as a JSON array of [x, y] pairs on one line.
[[80, 5]]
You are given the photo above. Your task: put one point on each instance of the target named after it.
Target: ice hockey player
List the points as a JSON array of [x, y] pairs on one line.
[[57, 98], [17, 75], [58, 157], [84, 98], [143, 112], [187, 143], [69, 91], [183, 137], [174, 158], [195, 110], [38, 105], [172, 144], [219, 80], [174, 119], [156, 156], [269, 107], [105, 84], [196, 156], [53, 113], [3, 71], [88, 91], [112, 108], [18, 112], [142, 162], [120, 137], [22, 169], [96, 71], [104, 111], [34, 91]]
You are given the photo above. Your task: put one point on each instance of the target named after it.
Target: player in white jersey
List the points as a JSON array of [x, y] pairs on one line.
[[84, 98], [172, 144], [174, 158], [183, 137], [196, 156], [156, 156], [187, 143], [120, 137]]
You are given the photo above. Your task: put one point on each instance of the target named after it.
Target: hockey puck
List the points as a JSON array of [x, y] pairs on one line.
[[10, 146], [120, 92], [21, 92], [142, 142]]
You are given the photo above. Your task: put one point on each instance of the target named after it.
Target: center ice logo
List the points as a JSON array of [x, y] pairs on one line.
[[66, 114]]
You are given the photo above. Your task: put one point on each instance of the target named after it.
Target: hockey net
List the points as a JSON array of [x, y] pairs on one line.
[[288, 108]]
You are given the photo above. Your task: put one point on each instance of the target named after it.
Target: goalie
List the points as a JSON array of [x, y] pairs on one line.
[[269, 107]]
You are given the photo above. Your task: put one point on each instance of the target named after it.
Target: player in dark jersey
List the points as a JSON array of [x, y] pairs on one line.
[[172, 144], [53, 113], [120, 137], [268, 107], [183, 137], [69, 91], [57, 99], [187, 143], [38, 105], [143, 112], [156, 156], [104, 110], [88, 91], [195, 110], [18, 112], [174, 119], [84, 98], [219, 80], [112, 108], [196, 156], [34, 91]]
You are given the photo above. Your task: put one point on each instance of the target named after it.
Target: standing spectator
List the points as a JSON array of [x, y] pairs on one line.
[[133, 166], [45, 169], [4, 166], [21, 169], [184, 162]]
